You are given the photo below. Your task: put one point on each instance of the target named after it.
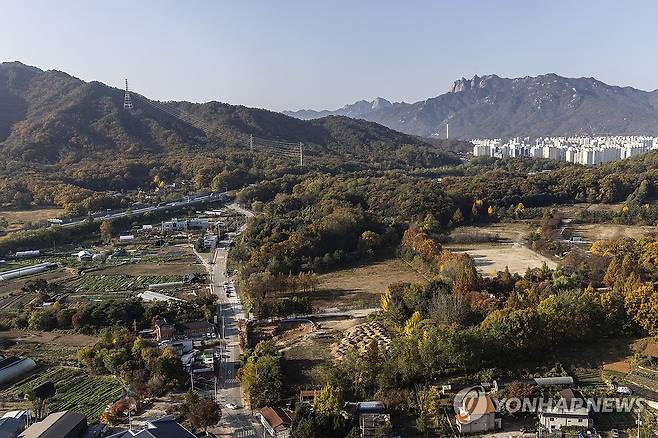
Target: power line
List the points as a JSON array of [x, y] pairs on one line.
[[283, 149]]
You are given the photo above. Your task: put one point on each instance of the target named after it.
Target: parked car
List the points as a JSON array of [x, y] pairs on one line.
[[614, 433], [231, 406]]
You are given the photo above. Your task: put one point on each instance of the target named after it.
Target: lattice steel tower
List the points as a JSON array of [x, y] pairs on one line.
[[127, 102]]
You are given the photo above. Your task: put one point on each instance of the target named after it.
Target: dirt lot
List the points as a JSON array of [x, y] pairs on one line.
[[305, 346], [361, 286], [512, 232], [48, 347], [152, 269], [593, 232], [496, 256]]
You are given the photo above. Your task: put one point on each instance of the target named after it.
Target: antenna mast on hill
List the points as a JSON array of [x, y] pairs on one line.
[[127, 102]]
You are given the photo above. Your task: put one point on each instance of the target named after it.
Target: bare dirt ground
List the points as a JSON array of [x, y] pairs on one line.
[[361, 286], [49, 347], [306, 347], [513, 232], [491, 257], [152, 269], [593, 232]]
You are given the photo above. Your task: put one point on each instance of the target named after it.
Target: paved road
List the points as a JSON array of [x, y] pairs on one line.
[[140, 211], [239, 422]]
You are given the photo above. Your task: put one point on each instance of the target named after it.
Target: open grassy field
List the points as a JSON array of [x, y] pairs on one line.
[[361, 286], [17, 218], [491, 257]]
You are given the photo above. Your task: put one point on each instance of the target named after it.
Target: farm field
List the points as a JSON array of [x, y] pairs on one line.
[[12, 298], [53, 348], [74, 389], [361, 286], [491, 257]]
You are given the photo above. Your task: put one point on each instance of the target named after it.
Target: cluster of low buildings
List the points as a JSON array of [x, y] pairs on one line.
[[372, 416], [71, 424], [577, 149]]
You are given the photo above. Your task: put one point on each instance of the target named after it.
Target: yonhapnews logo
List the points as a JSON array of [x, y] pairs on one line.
[[472, 403]]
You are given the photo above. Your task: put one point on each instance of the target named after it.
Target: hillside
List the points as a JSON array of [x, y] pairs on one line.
[[491, 106], [52, 117]]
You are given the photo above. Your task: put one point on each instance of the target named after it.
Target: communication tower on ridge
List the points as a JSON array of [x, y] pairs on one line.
[[127, 101]]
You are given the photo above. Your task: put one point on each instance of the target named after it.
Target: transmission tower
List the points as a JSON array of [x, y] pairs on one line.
[[127, 102]]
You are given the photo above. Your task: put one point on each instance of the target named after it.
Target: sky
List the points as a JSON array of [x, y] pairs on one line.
[[288, 55]]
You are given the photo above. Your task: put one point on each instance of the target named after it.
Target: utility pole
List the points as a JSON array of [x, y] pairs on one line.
[[251, 142], [191, 378], [301, 154], [447, 131]]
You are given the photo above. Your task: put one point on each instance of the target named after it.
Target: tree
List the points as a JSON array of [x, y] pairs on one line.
[[328, 400], [457, 217], [106, 230], [205, 413]]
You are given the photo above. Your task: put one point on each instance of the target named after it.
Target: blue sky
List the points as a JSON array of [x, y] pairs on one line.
[[281, 54]]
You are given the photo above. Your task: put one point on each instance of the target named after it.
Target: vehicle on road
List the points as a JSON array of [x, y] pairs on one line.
[[614, 433], [231, 406]]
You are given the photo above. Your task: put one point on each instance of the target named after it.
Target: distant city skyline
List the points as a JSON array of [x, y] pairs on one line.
[[291, 55]]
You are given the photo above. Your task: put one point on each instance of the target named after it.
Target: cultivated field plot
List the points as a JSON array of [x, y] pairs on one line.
[[496, 256], [53, 348], [360, 338], [590, 381], [361, 286], [13, 298], [106, 287], [74, 389]]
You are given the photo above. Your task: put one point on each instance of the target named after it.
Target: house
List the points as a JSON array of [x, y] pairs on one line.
[[307, 396], [163, 330], [84, 256], [477, 413], [198, 329], [66, 424], [198, 224], [372, 418], [10, 427], [24, 417], [210, 241], [571, 410], [174, 225], [127, 238], [164, 427], [276, 421]]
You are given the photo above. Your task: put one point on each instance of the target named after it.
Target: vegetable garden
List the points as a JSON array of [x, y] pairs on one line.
[[74, 390]]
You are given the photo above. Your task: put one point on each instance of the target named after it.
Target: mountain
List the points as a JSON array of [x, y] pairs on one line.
[[52, 117], [491, 106], [356, 110]]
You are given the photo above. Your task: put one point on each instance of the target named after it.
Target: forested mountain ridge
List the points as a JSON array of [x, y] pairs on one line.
[[52, 117], [491, 106]]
